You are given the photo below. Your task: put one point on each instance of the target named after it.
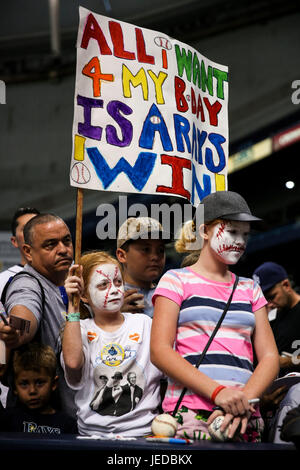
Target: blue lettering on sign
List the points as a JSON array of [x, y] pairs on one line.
[[199, 138], [201, 192], [182, 128], [154, 122], [217, 140], [138, 174]]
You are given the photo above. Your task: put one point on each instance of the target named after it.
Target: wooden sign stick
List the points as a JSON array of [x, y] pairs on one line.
[[78, 236]]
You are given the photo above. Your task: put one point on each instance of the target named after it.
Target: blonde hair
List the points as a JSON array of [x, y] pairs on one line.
[[188, 242], [89, 261], [190, 259]]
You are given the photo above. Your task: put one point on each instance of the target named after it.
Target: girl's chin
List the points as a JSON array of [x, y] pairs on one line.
[[230, 260], [111, 307]]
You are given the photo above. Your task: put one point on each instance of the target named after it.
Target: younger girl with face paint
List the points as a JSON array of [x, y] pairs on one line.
[[101, 353], [188, 303]]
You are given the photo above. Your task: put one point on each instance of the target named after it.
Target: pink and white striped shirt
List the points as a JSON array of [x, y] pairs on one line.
[[229, 359]]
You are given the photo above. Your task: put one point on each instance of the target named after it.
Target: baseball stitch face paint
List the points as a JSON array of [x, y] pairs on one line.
[[229, 240], [106, 287]]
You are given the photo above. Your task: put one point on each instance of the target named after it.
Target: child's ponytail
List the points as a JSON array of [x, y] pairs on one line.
[[188, 241]]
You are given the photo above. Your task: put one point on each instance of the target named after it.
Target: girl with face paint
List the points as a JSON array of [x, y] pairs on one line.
[[224, 243], [97, 281], [105, 291], [188, 303], [100, 340], [99, 285]]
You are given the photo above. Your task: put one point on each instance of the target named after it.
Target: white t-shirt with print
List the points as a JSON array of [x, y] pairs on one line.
[[109, 401]]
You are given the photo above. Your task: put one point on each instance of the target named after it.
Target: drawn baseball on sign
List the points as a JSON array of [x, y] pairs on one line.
[[165, 44], [80, 173], [155, 119]]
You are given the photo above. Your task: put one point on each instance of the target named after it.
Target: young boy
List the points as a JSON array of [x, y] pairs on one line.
[[141, 252], [35, 380]]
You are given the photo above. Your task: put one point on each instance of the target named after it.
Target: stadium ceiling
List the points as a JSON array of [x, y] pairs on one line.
[[38, 39]]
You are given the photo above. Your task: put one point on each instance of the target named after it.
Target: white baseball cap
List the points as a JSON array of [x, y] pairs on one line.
[[144, 228]]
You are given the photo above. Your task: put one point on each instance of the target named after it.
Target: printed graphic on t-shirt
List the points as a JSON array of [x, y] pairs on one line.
[[135, 337], [31, 427], [91, 336], [119, 381], [112, 354]]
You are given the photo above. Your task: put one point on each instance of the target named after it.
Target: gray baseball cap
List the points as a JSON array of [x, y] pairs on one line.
[[227, 205]]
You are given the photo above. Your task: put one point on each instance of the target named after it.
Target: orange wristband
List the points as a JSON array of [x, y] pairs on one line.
[[216, 391]]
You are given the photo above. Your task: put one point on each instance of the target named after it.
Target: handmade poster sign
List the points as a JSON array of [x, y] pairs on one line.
[[150, 113]]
